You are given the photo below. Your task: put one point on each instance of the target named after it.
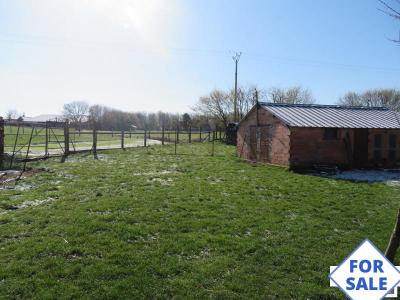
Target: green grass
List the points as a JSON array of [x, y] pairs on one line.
[[145, 223]]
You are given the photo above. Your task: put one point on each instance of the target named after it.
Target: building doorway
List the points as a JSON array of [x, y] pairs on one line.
[[360, 153]]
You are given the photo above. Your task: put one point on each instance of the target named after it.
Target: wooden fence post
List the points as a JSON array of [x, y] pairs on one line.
[[122, 140], [200, 134], [145, 137], [94, 147], [212, 148], [176, 138], [1, 143], [46, 147], [66, 138], [394, 241], [162, 135]]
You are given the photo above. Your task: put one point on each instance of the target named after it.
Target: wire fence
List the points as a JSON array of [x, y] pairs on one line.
[[21, 141]]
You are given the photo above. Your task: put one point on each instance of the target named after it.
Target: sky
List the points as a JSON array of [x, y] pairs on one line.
[[151, 55]]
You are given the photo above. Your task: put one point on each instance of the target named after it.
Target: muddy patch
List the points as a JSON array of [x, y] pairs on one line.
[[13, 176]]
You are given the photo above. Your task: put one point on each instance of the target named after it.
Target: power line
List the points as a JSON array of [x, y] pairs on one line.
[[43, 40]]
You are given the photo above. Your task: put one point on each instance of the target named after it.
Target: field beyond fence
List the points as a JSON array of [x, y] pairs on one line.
[[22, 141]]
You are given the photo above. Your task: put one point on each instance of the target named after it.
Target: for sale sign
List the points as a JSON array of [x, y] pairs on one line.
[[366, 274]]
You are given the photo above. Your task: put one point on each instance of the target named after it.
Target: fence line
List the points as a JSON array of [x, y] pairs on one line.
[[1, 143], [50, 139]]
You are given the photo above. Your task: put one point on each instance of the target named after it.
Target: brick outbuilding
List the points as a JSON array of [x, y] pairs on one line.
[[303, 136]]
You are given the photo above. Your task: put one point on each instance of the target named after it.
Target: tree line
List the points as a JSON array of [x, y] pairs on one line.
[[211, 111], [82, 116], [215, 109]]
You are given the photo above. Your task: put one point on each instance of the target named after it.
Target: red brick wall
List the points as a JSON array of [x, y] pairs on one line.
[[304, 147], [280, 142], [385, 133], [308, 147]]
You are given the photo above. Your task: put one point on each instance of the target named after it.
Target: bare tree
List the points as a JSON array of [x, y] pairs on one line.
[[390, 10], [247, 98], [389, 98], [186, 121], [218, 105], [294, 95], [76, 112], [96, 113], [11, 114], [351, 99]]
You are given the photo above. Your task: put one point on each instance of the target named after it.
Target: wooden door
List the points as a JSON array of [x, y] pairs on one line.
[[360, 153], [253, 143], [265, 143]]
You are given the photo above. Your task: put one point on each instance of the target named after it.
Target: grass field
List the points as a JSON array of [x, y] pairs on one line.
[[144, 223]]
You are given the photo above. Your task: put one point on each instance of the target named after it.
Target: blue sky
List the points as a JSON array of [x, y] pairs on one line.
[[151, 55]]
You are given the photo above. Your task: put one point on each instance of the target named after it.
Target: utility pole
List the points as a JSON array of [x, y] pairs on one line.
[[257, 104], [236, 59]]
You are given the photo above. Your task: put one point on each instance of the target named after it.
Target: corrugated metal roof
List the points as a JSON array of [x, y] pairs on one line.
[[334, 116]]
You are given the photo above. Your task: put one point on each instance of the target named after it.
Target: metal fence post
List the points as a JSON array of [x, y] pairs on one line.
[[190, 134], [122, 140], [200, 134], [177, 135], [1, 143]]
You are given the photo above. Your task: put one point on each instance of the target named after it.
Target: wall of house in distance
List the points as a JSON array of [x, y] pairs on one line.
[[308, 147], [389, 155], [280, 137]]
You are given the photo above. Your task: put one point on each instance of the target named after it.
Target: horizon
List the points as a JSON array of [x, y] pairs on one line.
[[163, 56]]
